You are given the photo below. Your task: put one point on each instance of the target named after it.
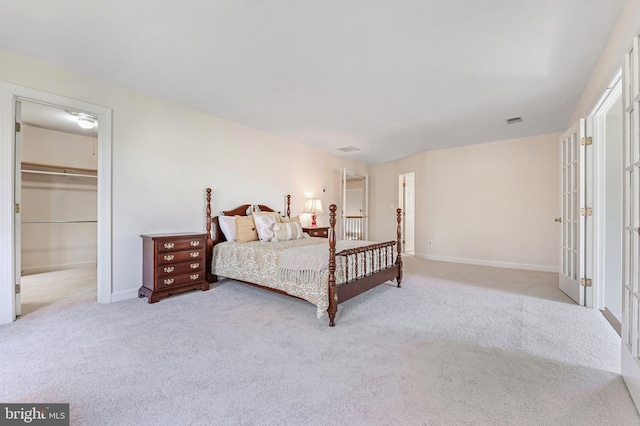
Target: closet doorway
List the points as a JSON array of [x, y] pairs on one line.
[[10, 216], [57, 190]]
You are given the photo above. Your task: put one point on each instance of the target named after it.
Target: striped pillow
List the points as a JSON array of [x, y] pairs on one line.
[[287, 231]]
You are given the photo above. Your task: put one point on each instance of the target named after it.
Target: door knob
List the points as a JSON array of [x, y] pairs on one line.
[[558, 219]]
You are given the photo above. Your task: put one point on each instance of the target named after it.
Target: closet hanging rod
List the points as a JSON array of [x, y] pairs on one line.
[[61, 221], [38, 172]]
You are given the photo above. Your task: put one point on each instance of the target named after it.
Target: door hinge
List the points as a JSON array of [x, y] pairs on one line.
[[585, 282], [586, 141], [17, 127], [586, 211], [17, 208], [17, 288]]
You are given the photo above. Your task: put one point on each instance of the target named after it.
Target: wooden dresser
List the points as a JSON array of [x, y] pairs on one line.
[[172, 263], [318, 231]]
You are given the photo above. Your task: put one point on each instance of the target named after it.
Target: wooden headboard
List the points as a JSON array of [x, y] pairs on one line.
[[219, 236]]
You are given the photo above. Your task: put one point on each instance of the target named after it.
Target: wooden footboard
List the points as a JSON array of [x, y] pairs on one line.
[[377, 266]]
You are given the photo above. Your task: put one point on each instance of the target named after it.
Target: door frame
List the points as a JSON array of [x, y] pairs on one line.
[[9, 93], [602, 107]]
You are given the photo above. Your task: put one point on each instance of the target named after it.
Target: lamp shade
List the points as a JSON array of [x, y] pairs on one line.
[[313, 205]]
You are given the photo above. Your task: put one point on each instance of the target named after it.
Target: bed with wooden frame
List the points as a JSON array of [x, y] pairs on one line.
[[368, 269]]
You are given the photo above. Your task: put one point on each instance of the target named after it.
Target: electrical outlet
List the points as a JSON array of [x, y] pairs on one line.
[[429, 242], [391, 206]]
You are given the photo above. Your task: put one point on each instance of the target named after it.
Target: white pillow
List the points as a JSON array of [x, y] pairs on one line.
[[287, 231], [264, 224], [228, 227]]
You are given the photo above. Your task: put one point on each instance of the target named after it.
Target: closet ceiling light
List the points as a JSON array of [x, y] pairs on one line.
[[85, 123]]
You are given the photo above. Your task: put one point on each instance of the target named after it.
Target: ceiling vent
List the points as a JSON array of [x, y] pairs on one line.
[[349, 149], [514, 120]]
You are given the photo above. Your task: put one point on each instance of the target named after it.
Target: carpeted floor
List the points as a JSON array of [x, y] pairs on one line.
[[64, 286], [456, 345]]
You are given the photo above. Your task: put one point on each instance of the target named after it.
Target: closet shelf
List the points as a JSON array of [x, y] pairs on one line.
[[55, 170], [60, 221]]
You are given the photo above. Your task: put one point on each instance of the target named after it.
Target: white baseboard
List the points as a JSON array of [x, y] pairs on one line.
[[124, 295], [50, 268], [508, 265]]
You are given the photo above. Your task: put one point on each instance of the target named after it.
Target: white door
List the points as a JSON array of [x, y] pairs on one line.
[[409, 212], [572, 231], [17, 190], [631, 224], [365, 210], [343, 202]]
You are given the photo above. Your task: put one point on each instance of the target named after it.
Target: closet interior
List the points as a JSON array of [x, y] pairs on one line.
[[58, 247]]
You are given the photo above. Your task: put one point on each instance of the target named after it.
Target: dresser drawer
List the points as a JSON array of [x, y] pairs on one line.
[[177, 244], [180, 268], [168, 282], [181, 256], [317, 232]]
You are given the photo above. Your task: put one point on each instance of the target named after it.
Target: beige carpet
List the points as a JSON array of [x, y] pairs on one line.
[[456, 345], [58, 287]]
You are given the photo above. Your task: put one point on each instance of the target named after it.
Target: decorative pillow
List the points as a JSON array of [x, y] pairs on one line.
[[245, 229], [287, 231], [289, 220], [228, 227], [264, 224]]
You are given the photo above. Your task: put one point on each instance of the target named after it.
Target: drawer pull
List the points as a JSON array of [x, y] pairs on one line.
[[194, 276], [169, 269], [169, 281], [194, 254], [195, 243], [194, 265], [169, 257], [169, 245]]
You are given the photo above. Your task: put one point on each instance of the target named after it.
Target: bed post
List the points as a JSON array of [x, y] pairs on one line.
[[333, 295], [399, 236], [288, 205], [209, 250]]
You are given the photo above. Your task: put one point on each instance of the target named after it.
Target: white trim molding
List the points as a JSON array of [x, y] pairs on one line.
[[9, 93], [493, 263]]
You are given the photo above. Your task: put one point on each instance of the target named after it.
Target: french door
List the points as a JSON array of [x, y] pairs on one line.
[[631, 223], [574, 212]]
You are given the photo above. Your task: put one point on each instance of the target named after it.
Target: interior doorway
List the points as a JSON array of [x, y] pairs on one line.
[[608, 141], [355, 201], [406, 191], [10, 94], [56, 185]]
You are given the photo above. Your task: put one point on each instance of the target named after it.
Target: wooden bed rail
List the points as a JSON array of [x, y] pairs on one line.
[[334, 298]]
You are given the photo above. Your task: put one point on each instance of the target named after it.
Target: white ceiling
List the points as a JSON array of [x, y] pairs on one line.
[[392, 78], [50, 117]]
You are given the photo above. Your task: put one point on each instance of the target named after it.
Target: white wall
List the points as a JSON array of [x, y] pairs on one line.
[[611, 59], [165, 155], [491, 203], [47, 247]]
